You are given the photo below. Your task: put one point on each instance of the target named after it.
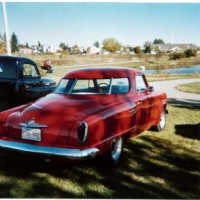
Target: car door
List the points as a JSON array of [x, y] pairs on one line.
[[30, 79], [143, 103]]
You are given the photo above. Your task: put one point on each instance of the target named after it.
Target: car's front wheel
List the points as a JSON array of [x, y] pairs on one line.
[[115, 151]]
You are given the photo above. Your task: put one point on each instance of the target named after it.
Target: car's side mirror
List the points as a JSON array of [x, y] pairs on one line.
[[151, 89]]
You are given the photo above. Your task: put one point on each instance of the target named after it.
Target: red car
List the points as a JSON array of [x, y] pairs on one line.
[[92, 112]]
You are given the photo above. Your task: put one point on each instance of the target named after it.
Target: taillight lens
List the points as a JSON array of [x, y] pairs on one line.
[[82, 132]]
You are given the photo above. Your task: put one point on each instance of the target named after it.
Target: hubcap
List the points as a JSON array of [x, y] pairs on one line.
[[116, 148], [162, 120]]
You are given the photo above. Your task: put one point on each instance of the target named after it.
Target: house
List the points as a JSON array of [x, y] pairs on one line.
[[94, 50], [24, 49], [173, 47], [51, 48], [34, 48]]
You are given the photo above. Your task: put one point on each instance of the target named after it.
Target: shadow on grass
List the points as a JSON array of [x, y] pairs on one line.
[[191, 131], [151, 167], [186, 103]]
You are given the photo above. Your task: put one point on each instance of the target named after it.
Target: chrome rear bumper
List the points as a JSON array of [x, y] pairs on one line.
[[73, 154]]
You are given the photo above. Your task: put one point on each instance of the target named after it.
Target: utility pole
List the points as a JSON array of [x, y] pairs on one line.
[[6, 28]]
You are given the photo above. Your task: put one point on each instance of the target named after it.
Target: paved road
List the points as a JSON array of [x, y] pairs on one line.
[[174, 95]]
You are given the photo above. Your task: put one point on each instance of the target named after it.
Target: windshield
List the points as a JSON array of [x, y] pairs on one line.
[[93, 86]]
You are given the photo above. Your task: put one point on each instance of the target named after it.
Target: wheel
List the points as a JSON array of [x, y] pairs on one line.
[[162, 123], [113, 156]]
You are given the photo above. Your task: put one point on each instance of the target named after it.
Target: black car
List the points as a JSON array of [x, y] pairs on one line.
[[21, 82]]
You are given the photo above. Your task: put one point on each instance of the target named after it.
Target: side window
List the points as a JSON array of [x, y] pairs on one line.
[[140, 83], [120, 85], [8, 68], [29, 70]]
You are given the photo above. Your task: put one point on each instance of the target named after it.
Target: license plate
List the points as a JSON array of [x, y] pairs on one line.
[[31, 134]]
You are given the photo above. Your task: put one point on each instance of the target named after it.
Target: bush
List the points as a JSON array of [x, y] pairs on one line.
[[176, 56], [190, 53]]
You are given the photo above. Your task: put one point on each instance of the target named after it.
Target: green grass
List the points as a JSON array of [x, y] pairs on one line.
[[154, 165], [190, 87], [131, 61]]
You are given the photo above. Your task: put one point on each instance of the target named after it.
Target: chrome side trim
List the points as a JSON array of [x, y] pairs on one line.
[[73, 154]]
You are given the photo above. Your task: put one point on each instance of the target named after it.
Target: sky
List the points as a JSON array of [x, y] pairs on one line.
[[84, 23]]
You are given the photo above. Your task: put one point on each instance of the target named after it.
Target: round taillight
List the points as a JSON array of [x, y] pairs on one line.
[[82, 132]]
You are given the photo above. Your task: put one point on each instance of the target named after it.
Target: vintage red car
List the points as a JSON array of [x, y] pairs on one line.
[[92, 112]]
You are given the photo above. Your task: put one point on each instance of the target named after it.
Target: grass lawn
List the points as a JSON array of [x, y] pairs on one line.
[[59, 72], [190, 87], [154, 165], [149, 61]]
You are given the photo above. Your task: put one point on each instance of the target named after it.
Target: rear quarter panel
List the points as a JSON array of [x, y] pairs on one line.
[[111, 122]]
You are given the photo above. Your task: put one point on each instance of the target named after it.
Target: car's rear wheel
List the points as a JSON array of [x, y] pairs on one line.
[[115, 151], [162, 123]]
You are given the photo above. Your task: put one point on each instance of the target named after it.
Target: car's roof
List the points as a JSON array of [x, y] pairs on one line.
[[100, 72], [18, 58]]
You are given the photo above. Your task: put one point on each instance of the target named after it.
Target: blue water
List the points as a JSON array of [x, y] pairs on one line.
[[184, 70]]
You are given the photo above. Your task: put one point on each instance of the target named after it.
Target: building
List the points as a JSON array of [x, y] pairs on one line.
[[173, 47], [25, 50]]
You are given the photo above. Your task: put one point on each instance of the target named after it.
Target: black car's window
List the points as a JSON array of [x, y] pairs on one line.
[[8, 68], [30, 70], [93, 86], [140, 83]]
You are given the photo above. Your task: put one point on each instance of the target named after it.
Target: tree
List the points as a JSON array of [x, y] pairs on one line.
[[14, 43], [158, 41], [63, 46], [27, 44], [2, 43], [75, 49], [96, 44], [111, 45], [147, 47], [137, 49], [190, 53], [39, 44], [158, 55]]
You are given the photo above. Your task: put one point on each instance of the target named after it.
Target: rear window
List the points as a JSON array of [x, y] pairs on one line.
[[8, 68], [93, 86]]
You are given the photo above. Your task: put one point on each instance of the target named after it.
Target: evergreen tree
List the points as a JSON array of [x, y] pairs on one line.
[[39, 44], [96, 44], [14, 43]]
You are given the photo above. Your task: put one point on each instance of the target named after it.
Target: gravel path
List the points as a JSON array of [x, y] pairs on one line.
[[174, 95]]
